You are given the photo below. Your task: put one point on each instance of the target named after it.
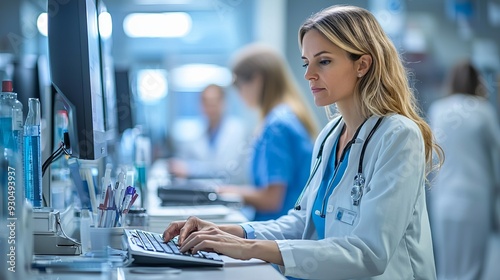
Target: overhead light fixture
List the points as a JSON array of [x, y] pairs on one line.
[[105, 25], [41, 24], [194, 77], [157, 25], [152, 85]]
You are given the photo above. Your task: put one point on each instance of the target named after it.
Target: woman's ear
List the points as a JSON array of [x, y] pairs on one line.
[[364, 64]]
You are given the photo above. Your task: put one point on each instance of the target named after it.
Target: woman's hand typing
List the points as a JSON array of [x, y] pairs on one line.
[[199, 235], [216, 240], [185, 228]]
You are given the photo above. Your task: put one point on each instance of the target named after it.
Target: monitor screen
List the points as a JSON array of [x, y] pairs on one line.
[[75, 68], [124, 100]]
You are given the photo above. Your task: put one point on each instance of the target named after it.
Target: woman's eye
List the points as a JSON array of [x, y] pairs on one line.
[[305, 65], [324, 62]]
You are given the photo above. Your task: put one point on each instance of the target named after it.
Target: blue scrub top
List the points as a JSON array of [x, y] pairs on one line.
[[319, 222], [282, 155]]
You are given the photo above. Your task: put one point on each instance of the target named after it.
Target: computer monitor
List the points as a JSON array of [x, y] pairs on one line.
[[124, 100], [75, 68]]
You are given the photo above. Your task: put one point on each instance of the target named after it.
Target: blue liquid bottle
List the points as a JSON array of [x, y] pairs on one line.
[[6, 133], [33, 154], [9, 98], [11, 130]]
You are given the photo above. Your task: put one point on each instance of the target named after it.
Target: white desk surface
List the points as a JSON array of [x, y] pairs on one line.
[[253, 269]]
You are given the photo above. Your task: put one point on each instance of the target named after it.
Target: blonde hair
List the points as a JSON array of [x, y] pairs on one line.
[[278, 85], [384, 89]]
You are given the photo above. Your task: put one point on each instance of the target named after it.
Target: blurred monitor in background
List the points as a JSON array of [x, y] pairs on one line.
[[124, 108]]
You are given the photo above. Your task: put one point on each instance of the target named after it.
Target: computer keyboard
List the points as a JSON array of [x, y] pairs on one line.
[[148, 248]]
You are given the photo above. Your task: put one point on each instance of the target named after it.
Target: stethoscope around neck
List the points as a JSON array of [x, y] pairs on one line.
[[359, 179]]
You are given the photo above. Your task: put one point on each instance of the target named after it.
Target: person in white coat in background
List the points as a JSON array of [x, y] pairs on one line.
[[466, 127], [362, 214], [206, 156]]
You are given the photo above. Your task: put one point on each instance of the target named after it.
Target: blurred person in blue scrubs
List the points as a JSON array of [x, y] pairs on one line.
[[466, 127], [207, 155], [284, 138]]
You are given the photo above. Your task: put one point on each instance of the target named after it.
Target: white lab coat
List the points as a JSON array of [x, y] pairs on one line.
[[461, 207], [228, 158], [390, 237]]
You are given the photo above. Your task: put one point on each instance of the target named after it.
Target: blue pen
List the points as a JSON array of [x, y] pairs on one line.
[[131, 203], [129, 192]]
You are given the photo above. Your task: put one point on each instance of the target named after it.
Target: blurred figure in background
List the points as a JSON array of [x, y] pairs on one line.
[[466, 127], [283, 142], [218, 151]]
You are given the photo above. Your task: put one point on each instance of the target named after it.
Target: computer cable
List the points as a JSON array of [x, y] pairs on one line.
[[63, 233], [64, 146]]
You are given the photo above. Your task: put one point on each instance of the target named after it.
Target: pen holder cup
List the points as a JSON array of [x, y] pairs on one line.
[[100, 238]]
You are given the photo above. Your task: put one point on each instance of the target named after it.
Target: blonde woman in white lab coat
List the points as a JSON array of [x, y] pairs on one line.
[[347, 226], [466, 127]]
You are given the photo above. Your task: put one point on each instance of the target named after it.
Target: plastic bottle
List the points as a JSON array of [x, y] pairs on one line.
[[6, 132], [11, 129], [33, 154], [9, 97]]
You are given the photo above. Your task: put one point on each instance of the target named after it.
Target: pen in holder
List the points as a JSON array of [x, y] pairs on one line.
[[116, 202]]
